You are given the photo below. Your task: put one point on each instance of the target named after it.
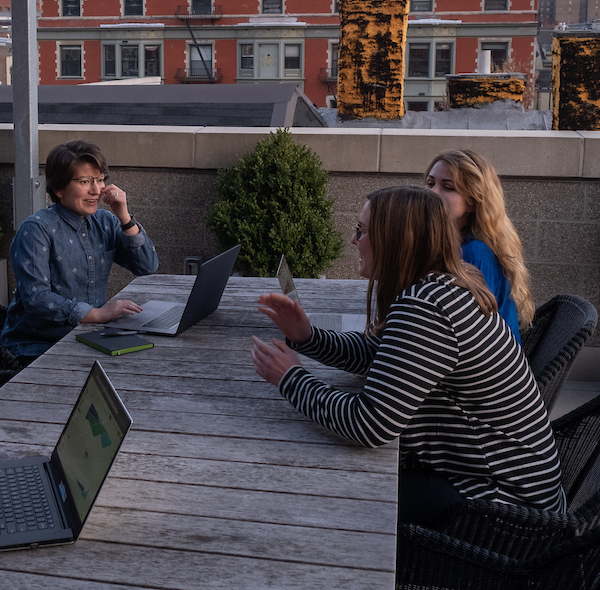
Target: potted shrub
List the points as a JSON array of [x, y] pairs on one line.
[[274, 202]]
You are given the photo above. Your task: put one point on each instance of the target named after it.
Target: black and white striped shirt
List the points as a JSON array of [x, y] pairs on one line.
[[452, 383]]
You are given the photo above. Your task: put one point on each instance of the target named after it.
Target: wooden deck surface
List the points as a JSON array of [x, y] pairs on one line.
[[220, 483]]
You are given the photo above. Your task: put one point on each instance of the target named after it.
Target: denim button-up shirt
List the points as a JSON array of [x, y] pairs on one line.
[[61, 264]]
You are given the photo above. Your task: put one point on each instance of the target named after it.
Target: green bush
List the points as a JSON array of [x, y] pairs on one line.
[[274, 202]]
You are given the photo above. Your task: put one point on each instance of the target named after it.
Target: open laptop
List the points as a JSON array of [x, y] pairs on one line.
[[46, 501], [173, 317], [340, 322]]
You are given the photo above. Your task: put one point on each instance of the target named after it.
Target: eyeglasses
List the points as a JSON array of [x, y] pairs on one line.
[[86, 181], [360, 231]]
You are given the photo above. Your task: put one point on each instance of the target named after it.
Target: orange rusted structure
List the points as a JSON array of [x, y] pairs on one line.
[[371, 58], [576, 83], [471, 90]]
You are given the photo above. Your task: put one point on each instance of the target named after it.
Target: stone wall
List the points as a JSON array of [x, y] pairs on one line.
[[551, 181]]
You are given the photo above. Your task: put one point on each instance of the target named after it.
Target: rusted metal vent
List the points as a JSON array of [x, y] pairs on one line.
[[469, 90], [576, 83], [371, 58]]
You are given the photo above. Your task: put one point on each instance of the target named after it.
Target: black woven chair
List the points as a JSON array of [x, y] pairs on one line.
[[9, 366], [491, 546], [560, 328]]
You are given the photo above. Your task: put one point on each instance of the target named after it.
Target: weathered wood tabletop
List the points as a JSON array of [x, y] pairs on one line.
[[220, 483]]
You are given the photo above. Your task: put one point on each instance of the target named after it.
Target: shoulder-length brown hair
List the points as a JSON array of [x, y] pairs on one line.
[[412, 235]]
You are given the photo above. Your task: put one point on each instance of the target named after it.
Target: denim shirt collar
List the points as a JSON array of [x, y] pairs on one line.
[[69, 216]]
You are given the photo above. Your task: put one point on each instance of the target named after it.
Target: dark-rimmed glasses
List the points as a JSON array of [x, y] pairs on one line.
[[86, 181], [360, 231]]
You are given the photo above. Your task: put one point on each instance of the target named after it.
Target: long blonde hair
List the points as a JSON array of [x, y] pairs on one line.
[[477, 181], [411, 235]]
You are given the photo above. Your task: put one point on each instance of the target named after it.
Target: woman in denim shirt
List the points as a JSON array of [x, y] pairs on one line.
[[62, 256]]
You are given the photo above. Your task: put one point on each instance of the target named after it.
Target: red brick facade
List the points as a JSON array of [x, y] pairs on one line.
[[254, 41]]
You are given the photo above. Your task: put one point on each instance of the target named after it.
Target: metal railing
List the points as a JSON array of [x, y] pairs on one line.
[[198, 75], [328, 75], [186, 12]]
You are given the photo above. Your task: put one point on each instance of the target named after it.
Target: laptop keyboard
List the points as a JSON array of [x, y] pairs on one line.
[[327, 321], [166, 319], [23, 504]]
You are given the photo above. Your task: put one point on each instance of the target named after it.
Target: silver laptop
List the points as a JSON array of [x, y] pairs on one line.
[[46, 501], [173, 317], [340, 322]]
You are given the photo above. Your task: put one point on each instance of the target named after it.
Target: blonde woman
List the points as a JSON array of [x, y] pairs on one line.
[[471, 188]]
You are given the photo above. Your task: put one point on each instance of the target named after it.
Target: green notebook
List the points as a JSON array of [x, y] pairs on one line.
[[113, 345]]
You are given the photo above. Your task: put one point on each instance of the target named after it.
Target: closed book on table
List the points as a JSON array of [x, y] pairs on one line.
[[113, 345]]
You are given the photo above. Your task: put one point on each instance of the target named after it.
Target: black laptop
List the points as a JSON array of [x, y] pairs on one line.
[[46, 501], [173, 317]]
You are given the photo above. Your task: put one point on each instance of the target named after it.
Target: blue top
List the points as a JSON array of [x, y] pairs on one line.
[[480, 255], [61, 264]]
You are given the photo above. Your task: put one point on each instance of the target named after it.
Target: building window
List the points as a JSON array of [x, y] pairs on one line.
[[201, 61], [247, 57], [201, 7], [272, 6], [443, 59], [131, 60], [70, 61], [417, 105], [499, 54], [133, 7], [335, 48], [270, 59], [151, 60], [110, 61], [336, 6], [496, 5], [420, 5], [292, 57], [418, 60], [71, 8]]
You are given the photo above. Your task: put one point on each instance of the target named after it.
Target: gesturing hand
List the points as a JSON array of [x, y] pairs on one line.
[[272, 362], [288, 315]]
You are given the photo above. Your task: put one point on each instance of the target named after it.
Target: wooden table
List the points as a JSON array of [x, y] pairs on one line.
[[220, 483]]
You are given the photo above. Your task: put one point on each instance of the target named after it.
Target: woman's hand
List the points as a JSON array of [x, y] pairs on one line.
[[288, 315], [272, 362], [116, 199], [111, 311]]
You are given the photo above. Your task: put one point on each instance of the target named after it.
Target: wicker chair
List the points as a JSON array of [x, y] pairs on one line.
[[9, 366], [487, 545], [560, 328]]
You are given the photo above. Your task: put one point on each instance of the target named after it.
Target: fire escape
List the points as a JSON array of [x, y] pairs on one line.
[[205, 73]]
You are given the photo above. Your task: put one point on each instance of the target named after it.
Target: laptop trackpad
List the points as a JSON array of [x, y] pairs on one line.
[[135, 321]]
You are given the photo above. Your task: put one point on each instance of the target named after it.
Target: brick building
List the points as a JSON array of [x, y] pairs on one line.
[[254, 41]]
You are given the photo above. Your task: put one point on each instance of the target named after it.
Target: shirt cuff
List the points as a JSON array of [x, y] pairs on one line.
[[136, 240], [79, 312]]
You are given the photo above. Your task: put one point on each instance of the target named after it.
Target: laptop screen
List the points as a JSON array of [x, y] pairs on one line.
[[90, 441]]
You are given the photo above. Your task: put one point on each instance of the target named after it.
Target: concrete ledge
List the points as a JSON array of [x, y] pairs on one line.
[[522, 153], [591, 154], [531, 154]]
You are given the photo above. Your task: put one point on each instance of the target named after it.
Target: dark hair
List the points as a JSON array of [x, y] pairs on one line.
[[63, 159], [411, 235]]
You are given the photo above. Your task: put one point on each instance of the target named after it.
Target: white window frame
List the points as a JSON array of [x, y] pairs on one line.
[[123, 3], [77, 16], [141, 45], [433, 44], [59, 61], [192, 48], [483, 41], [262, 7], [283, 73]]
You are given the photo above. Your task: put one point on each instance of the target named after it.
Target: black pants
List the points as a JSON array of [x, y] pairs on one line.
[[424, 495]]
